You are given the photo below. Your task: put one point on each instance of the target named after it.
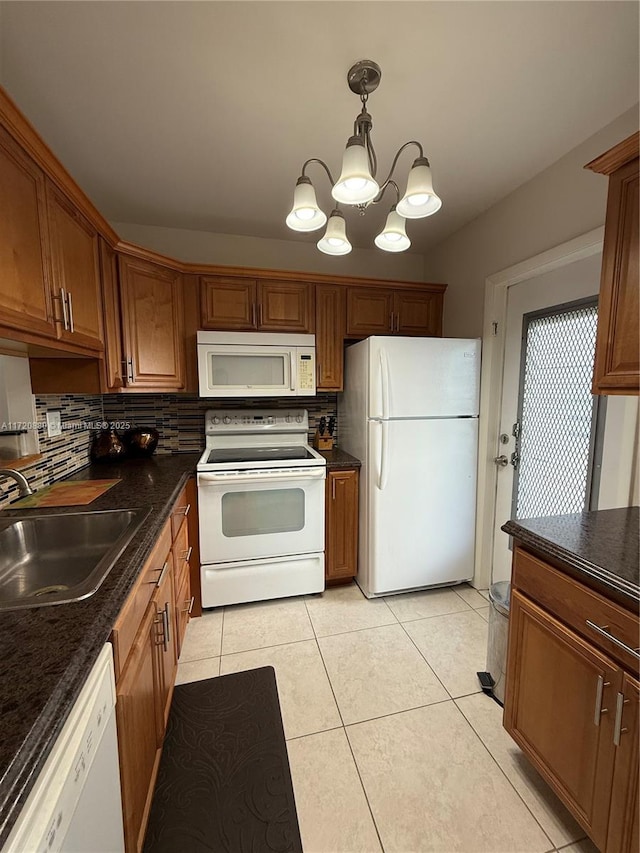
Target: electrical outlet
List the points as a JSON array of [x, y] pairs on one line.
[[54, 423]]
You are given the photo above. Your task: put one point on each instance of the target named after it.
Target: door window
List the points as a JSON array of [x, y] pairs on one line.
[[559, 421], [260, 513]]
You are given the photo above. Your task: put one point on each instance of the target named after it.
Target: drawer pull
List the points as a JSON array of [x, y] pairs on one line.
[[617, 729], [187, 554], [599, 710], [604, 633], [162, 573]]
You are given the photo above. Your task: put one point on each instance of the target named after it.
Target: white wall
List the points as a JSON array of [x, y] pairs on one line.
[[236, 250], [557, 205]]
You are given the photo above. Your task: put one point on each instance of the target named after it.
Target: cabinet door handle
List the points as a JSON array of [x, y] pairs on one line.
[[162, 573], [184, 510], [604, 633], [617, 728], [260, 314], [187, 554], [165, 616], [72, 327], [189, 604], [254, 319], [333, 488], [62, 296], [391, 322], [599, 710]]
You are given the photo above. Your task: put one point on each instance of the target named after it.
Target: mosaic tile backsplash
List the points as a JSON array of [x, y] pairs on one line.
[[179, 418]]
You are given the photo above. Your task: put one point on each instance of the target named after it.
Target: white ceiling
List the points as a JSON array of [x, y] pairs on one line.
[[199, 115]]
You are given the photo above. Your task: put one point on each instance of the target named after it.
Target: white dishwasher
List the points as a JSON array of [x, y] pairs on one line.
[[75, 805]]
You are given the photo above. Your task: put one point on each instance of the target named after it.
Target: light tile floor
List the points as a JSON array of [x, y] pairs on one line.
[[392, 746]]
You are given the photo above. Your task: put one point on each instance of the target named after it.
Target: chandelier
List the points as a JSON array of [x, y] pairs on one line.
[[357, 185]]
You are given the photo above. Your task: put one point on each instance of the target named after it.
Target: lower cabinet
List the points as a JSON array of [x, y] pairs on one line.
[[146, 650], [570, 705], [341, 525]]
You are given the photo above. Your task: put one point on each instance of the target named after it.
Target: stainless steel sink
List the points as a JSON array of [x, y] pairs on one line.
[[62, 557]]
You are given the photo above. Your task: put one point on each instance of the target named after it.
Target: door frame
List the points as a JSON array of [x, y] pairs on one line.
[[493, 353]]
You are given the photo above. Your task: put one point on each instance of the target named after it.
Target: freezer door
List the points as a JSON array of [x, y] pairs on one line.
[[423, 377], [422, 498]]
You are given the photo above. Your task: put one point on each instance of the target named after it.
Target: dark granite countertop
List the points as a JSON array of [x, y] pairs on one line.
[[599, 547], [337, 458], [46, 653]]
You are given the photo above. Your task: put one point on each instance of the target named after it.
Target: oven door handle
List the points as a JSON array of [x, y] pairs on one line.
[[217, 479]]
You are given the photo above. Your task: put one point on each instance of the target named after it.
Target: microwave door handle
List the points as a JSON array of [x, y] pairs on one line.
[[291, 377]]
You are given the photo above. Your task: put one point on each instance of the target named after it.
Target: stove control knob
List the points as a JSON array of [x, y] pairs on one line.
[[215, 419], [298, 419], [288, 419], [226, 419]]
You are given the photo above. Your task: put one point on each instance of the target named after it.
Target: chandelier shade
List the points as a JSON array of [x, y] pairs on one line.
[[420, 198], [334, 241], [305, 214], [393, 237], [357, 184]]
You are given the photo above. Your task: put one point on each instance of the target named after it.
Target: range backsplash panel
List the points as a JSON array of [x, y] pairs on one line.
[[179, 418]]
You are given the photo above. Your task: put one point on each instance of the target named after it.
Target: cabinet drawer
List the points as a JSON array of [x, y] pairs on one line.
[[180, 511], [577, 606], [131, 615]]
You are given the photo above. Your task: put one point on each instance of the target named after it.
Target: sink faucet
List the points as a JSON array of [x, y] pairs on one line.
[[23, 486]]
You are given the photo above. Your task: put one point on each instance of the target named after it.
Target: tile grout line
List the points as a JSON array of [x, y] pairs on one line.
[[495, 761], [413, 642]]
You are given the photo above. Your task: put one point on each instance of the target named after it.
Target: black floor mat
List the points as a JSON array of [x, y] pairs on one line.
[[224, 783]]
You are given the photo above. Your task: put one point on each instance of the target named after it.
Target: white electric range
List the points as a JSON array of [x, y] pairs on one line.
[[261, 507]]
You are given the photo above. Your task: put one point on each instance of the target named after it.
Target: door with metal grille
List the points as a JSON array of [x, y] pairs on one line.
[[557, 446], [550, 465]]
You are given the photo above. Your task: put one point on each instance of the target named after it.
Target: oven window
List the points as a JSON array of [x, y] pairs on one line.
[[260, 513], [240, 370]]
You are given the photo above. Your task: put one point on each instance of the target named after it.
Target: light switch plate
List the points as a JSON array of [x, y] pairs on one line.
[[54, 423]]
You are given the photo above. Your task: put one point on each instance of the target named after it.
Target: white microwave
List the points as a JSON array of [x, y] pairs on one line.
[[256, 364]]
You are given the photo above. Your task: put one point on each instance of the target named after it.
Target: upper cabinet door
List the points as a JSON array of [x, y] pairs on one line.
[[369, 312], [617, 366], [152, 325], [286, 306], [228, 303], [25, 276], [330, 322], [76, 272], [418, 313]]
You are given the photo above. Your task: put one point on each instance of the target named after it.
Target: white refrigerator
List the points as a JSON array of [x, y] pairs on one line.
[[409, 412]]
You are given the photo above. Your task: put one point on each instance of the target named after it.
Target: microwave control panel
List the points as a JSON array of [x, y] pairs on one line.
[[306, 372]]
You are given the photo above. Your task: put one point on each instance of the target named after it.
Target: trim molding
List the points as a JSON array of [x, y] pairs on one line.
[[493, 346], [617, 156]]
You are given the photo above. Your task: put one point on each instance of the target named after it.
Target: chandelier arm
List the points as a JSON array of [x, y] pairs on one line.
[[322, 163], [388, 183], [395, 160]]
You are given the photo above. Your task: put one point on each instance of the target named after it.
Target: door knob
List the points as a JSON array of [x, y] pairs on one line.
[[502, 461]]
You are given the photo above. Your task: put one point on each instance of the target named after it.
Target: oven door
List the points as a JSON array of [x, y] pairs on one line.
[[251, 515]]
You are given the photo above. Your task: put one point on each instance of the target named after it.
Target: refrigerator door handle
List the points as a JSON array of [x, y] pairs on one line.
[[384, 455], [384, 376]]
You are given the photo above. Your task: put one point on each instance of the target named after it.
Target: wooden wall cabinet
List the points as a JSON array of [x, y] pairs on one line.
[[617, 363], [76, 272], [152, 326], [376, 311], [147, 638], [330, 329], [571, 704], [341, 525], [25, 264], [246, 304]]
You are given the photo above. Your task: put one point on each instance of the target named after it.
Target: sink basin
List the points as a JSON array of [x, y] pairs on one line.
[[62, 557]]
